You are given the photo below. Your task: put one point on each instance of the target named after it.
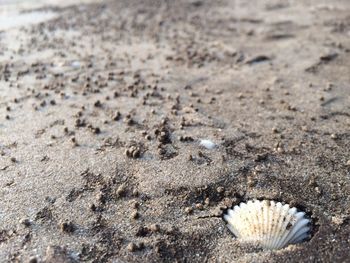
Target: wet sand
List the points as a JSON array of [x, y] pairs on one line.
[[103, 106]]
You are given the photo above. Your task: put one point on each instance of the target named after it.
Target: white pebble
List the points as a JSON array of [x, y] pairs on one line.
[[207, 144], [75, 64]]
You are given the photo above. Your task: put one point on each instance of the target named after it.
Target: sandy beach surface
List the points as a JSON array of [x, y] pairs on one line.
[[103, 106]]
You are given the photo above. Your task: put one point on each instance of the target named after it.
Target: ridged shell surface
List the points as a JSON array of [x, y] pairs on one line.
[[267, 223]]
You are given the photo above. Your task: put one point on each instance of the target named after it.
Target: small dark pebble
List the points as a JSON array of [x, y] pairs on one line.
[[98, 103], [96, 130], [188, 210], [74, 141], [135, 215], [26, 222], [133, 152], [67, 227], [143, 231], [121, 191], [132, 247], [116, 116], [93, 207], [33, 260], [186, 139]]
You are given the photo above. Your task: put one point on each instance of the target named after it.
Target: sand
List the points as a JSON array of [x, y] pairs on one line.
[[103, 107]]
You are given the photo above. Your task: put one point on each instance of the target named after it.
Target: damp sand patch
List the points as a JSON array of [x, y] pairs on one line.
[[13, 19]]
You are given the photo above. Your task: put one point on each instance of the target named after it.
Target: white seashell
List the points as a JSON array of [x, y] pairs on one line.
[[267, 223], [207, 144]]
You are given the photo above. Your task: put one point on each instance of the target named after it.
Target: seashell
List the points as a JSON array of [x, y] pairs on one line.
[[267, 223]]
